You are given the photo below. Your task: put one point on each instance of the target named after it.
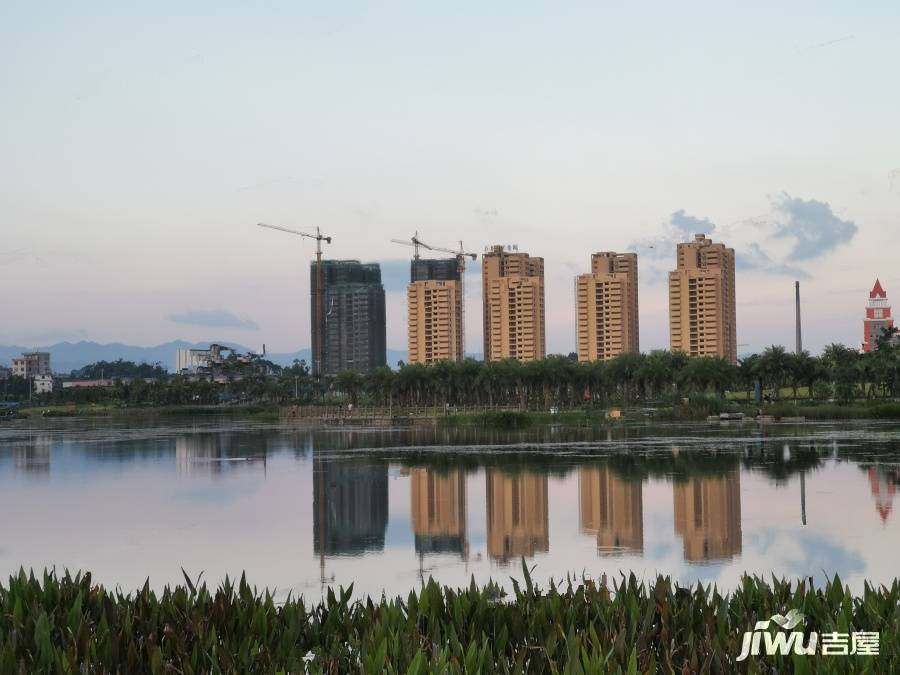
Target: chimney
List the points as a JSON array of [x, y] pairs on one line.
[[799, 336]]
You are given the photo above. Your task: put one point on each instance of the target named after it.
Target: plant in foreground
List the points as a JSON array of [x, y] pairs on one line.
[[66, 624]]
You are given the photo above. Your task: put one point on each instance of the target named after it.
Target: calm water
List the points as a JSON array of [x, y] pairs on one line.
[[298, 509]]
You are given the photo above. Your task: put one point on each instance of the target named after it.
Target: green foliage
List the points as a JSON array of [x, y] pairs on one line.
[[660, 377], [69, 625], [119, 368], [886, 411]]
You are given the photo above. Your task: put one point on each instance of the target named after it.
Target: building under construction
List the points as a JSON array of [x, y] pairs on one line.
[[435, 311], [348, 327]]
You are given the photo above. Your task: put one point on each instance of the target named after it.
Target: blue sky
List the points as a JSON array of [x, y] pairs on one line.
[[140, 144]]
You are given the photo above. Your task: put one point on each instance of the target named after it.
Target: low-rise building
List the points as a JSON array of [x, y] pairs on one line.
[[43, 384], [31, 364], [189, 361]]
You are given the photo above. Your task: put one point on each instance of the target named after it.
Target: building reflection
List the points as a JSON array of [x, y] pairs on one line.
[[215, 453], [612, 510], [881, 483], [33, 458], [708, 517], [517, 519], [439, 511], [350, 506]]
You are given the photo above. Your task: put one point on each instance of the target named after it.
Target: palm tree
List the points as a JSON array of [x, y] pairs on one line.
[[773, 367], [349, 382]]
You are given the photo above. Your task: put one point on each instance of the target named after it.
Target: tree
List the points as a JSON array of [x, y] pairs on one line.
[[349, 382], [842, 362], [773, 368]]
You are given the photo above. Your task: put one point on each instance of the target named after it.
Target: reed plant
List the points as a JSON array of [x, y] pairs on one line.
[[69, 624]]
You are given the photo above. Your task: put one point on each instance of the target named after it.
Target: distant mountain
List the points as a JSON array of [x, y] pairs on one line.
[[68, 356]]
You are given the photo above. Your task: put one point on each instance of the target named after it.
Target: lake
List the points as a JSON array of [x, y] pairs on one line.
[[299, 509]]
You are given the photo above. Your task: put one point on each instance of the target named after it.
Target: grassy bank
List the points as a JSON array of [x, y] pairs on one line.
[[884, 410], [255, 411], [510, 419], [79, 410], [696, 409], [68, 625]]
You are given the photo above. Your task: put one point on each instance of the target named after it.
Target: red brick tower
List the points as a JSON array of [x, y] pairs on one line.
[[878, 317]]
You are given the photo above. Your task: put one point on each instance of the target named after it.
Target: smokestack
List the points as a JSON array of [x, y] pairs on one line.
[[799, 336]]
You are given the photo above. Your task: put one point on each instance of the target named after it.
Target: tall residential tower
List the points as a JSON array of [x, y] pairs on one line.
[[435, 311], [513, 296], [606, 307], [353, 326], [702, 316]]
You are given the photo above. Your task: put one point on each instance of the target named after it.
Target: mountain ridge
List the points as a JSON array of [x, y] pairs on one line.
[[68, 356]]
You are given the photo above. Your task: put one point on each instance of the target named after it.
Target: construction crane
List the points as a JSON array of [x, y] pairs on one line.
[[319, 356], [417, 243], [460, 256]]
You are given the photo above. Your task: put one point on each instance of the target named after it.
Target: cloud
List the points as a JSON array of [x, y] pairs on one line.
[[813, 225], [680, 227], [754, 258], [216, 318], [687, 225]]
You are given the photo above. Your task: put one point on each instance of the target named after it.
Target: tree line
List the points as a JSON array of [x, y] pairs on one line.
[[840, 373]]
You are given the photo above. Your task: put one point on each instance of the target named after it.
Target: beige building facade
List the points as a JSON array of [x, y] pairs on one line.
[[702, 312], [436, 324], [513, 297], [606, 307]]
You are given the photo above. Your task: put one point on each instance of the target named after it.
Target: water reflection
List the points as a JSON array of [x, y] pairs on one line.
[[707, 515], [382, 508], [215, 453], [439, 511], [32, 457], [350, 506], [883, 483], [517, 523], [612, 510]]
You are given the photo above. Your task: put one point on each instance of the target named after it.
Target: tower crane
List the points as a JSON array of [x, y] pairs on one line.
[[460, 256], [319, 356], [417, 243]]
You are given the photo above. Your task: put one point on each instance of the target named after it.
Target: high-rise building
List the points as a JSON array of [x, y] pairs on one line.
[[353, 326], [878, 317], [606, 306], [31, 364], [702, 314], [517, 516], [708, 517], [513, 297], [612, 509], [435, 302], [439, 511]]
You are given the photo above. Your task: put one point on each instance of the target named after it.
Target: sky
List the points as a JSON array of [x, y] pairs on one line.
[[141, 143]]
